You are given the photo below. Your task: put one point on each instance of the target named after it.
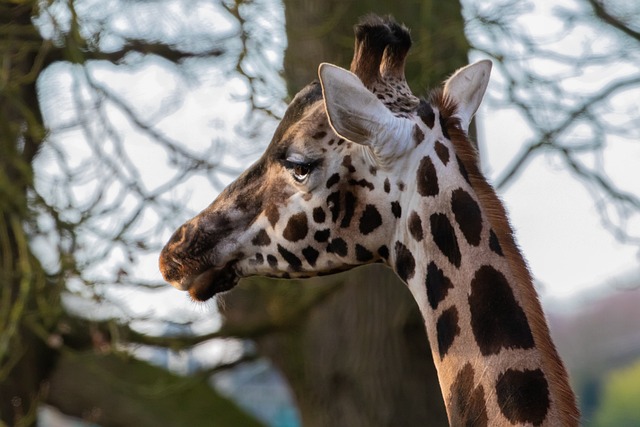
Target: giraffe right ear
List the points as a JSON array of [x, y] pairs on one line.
[[357, 114], [466, 87]]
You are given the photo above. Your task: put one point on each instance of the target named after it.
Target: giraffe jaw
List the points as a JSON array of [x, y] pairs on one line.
[[205, 285]]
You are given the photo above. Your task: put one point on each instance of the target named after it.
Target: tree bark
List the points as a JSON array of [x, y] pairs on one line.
[[359, 356], [25, 359]]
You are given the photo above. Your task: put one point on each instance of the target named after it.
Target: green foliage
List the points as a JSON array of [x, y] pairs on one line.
[[621, 397], [121, 391]]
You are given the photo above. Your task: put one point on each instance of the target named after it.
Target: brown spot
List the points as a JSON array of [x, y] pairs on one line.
[[319, 215], [272, 214], [333, 180], [415, 226], [447, 330], [292, 259], [444, 237], [363, 254], [396, 209], [383, 251], [261, 238], [426, 113], [296, 228], [437, 285], [523, 396], [346, 162], [319, 135], [362, 183], [311, 255], [443, 152], [349, 209], [467, 404], [418, 135], [338, 246], [370, 219], [427, 178], [494, 243], [387, 185], [443, 126], [273, 261], [463, 170], [322, 235], [497, 320], [468, 216], [333, 201], [405, 262]]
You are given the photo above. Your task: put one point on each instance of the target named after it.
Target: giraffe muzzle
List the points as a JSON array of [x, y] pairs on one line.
[[205, 284]]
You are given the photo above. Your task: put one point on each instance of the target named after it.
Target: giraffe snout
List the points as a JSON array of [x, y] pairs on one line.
[[171, 267]]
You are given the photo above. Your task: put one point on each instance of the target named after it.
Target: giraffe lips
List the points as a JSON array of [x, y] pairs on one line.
[[205, 285]]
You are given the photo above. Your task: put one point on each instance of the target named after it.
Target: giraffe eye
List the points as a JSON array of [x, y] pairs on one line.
[[299, 170]]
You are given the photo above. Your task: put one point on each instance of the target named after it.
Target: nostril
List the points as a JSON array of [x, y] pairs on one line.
[[170, 266], [178, 236]]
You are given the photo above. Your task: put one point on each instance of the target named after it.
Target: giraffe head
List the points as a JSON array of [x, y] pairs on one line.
[[328, 192]]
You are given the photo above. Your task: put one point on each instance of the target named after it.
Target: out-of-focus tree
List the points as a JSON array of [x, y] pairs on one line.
[[80, 205], [620, 399], [573, 79]]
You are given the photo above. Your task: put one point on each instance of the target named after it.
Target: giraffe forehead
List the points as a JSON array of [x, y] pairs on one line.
[[307, 134]]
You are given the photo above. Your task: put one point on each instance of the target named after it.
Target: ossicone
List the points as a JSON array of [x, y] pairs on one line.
[[381, 47]]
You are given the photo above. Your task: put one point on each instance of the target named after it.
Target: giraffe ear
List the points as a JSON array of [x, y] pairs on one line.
[[466, 87], [355, 113]]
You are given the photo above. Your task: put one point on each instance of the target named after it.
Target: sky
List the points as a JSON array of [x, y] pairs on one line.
[[555, 219]]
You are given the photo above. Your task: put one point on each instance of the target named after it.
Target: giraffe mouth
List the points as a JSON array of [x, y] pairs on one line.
[[205, 285]]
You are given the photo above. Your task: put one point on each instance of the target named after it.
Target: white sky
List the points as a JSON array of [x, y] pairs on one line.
[[554, 217]]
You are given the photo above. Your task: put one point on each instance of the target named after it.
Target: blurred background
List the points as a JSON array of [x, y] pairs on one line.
[[121, 119]]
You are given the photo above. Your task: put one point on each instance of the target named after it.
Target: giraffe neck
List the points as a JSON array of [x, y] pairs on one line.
[[491, 345]]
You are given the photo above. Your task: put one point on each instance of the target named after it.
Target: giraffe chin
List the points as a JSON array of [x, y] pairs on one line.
[[213, 281]]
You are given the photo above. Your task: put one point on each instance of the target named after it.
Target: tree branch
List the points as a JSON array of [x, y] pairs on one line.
[[606, 17]]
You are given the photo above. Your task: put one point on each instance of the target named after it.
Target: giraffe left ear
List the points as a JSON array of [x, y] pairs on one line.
[[467, 87], [358, 115]]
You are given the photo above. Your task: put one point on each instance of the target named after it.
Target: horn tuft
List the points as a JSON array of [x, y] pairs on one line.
[[395, 54], [381, 46]]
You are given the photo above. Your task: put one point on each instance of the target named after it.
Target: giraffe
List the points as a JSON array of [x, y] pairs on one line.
[[359, 171]]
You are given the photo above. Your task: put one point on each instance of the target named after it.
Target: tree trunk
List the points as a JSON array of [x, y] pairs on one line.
[[358, 356], [24, 357]]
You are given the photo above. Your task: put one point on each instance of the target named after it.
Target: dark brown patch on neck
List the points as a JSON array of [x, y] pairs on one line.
[[497, 320], [467, 403], [447, 330], [405, 262], [425, 112], [523, 396]]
